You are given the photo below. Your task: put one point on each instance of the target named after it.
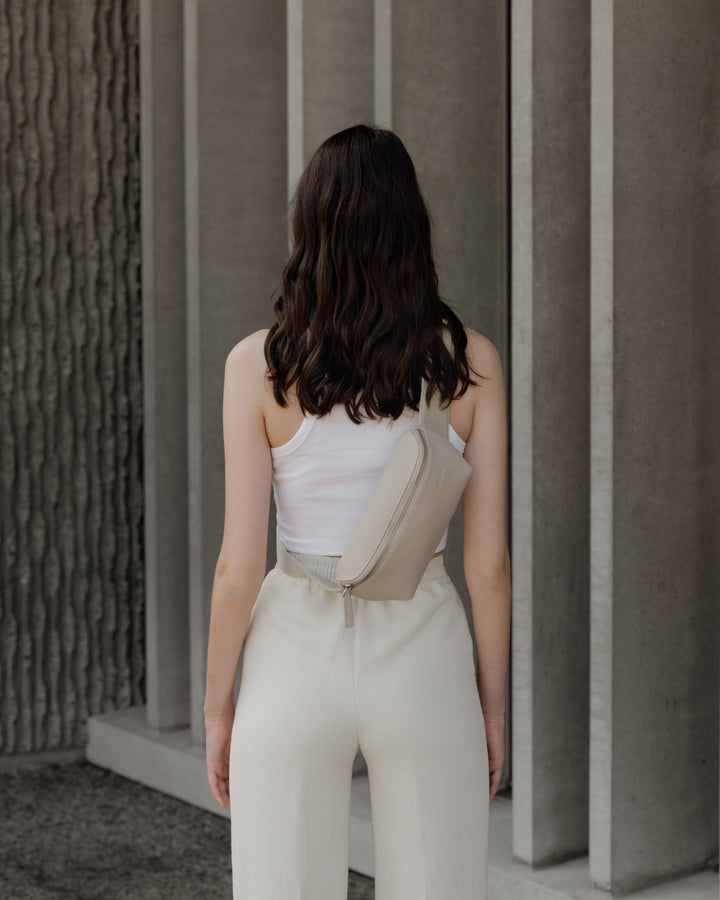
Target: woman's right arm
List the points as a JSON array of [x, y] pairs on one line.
[[486, 558]]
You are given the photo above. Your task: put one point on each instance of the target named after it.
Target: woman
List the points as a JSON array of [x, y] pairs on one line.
[[312, 408]]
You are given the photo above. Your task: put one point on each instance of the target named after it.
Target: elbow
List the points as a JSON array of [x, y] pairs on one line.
[[492, 577], [233, 579]]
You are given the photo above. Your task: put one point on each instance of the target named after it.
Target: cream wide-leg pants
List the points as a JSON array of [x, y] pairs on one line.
[[398, 684]]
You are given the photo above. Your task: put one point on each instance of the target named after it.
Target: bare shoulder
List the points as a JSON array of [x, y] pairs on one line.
[[483, 355], [247, 357], [246, 364], [249, 348], [487, 396]]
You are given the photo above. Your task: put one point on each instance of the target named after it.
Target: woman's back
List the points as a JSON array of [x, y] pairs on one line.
[[324, 474]]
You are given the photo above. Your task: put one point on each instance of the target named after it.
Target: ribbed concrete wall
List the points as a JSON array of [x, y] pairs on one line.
[[71, 506]]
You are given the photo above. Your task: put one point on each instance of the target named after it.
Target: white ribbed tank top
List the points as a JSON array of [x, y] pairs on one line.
[[324, 475]]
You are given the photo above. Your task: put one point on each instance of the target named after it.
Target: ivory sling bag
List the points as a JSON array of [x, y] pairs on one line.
[[408, 511]]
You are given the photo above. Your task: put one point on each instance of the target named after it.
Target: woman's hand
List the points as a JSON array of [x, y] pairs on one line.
[[495, 736], [218, 731]]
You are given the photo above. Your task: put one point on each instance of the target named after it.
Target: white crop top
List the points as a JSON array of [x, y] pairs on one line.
[[324, 475]]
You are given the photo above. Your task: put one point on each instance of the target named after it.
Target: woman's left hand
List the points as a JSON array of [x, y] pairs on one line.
[[218, 731]]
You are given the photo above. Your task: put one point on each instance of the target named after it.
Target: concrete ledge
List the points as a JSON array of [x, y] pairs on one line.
[[510, 879], [168, 761]]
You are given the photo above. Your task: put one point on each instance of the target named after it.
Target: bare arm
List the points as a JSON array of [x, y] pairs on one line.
[[486, 558], [240, 568]]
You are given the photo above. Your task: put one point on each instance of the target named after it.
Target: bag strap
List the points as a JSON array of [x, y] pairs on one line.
[[292, 566], [432, 416]]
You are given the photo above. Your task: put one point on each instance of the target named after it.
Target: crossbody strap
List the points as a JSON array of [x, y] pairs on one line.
[[432, 417], [292, 566]]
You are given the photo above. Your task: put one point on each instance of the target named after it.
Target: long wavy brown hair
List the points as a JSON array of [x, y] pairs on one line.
[[358, 317]]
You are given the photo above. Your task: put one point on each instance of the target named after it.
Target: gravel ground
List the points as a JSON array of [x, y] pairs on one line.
[[75, 831]]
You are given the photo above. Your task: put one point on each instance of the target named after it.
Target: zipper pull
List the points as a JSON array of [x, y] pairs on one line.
[[347, 598]]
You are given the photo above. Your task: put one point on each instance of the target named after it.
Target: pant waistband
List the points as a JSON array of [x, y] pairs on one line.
[[323, 569], [300, 565]]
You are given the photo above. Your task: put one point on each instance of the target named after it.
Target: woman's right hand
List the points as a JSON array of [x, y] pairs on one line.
[[495, 736], [218, 735]]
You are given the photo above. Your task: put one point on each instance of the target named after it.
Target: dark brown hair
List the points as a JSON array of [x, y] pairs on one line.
[[357, 320]]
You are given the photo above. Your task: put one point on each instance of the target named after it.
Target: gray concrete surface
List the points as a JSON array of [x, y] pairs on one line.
[[72, 830], [164, 366], [236, 245], [550, 390], [655, 442], [71, 489], [330, 73], [71, 482]]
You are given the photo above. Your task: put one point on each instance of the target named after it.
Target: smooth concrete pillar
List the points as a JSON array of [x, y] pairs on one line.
[[655, 440], [330, 87], [167, 684], [236, 195], [441, 85], [448, 104], [550, 428], [330, 73]]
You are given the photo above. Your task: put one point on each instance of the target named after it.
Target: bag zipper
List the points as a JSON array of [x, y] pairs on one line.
[[394, 522]]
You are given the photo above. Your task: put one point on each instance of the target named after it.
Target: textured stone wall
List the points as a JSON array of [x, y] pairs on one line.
[[71, 503]]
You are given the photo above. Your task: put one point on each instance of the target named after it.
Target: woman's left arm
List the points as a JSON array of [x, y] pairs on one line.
[[240, 568]]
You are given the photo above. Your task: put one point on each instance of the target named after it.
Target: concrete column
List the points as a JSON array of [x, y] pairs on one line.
[[550, 396], [448, 104], [167, 684], [440, 84], [236, 194], [655, 470], [330, 73], [330, 87]]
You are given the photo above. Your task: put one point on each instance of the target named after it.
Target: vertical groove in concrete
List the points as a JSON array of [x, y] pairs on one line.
[[561, 427], [601, 445], [164, 364], [196, 579], [383, 62], [295, 95], [550, 258], [71, 633], [521, 106]]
